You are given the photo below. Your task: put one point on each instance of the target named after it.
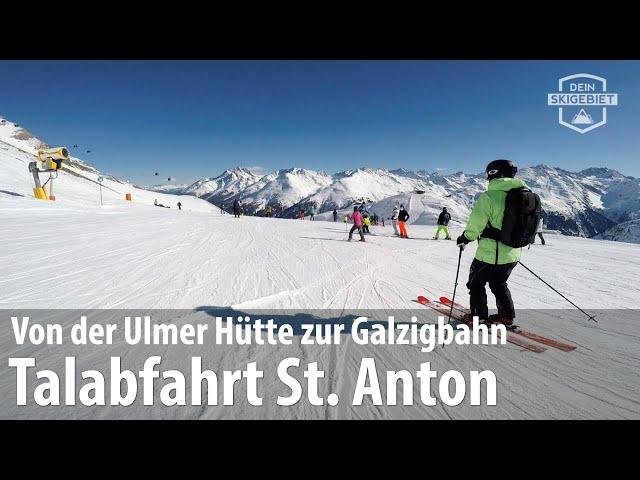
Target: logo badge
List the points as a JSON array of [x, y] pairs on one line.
[[582, 101]]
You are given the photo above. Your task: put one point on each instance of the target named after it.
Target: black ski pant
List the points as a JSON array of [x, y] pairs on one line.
[[541, 237], [353, 229], [236, 212], [496, 276]]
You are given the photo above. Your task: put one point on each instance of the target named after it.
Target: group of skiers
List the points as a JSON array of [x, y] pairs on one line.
[[399, 217], [504, 218], [361, 219]]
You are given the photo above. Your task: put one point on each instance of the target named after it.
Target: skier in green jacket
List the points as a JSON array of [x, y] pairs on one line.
[[494, 261]]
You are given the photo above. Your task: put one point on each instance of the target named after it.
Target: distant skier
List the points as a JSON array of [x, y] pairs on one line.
[[236, 208], [540, 228], [366, 223], [179, 206], [335, 215], [302, 214], [443, 224], [312, 212], [222, 209], [403, 216], [508, 211], [268, 211], [356, 217], [394, 219]]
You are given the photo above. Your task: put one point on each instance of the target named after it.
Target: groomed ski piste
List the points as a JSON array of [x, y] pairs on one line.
[[75, 254]]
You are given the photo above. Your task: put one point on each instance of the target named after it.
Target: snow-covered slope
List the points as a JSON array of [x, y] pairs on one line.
[[12, 134], [276, 262], [149, 258], [76, 185]]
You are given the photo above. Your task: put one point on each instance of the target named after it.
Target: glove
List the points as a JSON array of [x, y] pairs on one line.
[[462, 241]]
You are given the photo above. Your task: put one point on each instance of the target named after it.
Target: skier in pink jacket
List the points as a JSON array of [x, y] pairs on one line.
[[356, 216]]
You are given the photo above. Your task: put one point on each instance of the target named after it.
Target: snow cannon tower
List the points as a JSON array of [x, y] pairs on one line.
[[48, 161]]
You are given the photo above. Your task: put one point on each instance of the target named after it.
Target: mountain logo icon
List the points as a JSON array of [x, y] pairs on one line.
[[586, 94], [582, 118]]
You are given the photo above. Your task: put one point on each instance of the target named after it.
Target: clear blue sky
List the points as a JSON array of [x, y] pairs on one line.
[[193, 119]]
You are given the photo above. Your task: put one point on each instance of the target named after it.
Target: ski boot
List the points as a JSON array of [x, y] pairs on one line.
[[499, 319], [468, 319]]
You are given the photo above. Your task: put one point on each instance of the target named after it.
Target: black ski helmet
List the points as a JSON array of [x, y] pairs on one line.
[[501, 168]]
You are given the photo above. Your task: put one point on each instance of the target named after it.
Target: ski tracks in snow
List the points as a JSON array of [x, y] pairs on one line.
[[156, 258]]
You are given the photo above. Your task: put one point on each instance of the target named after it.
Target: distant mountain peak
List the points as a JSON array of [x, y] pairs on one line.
[[243, 171], [600, 172]]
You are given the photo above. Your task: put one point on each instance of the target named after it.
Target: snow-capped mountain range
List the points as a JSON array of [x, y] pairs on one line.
[[594, 201], [582, 203]]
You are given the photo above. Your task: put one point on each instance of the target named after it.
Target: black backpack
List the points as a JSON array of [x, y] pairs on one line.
[[522, 211]]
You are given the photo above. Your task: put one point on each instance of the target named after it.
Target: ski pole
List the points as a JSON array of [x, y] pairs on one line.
[[538, 277], [453, 299]]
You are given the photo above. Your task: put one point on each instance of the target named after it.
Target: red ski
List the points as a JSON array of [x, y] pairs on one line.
[[565, 347], [444, 310]]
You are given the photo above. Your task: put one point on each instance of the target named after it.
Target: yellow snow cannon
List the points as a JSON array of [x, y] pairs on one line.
[[52, 158], [50, 161]]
